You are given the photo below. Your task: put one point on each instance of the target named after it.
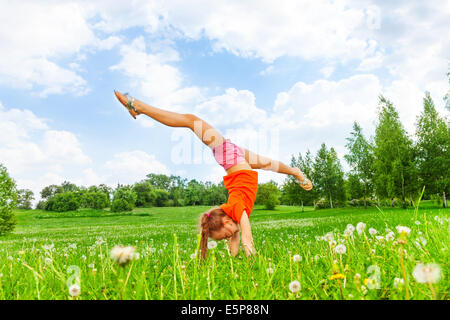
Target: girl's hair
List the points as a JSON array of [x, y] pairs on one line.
[[210, 221]]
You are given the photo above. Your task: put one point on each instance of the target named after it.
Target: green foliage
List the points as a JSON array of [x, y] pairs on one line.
[[292, 193], [145, 195], [8, 201], [24, 198], [328, 176], [432, 149], [121, 205], [394, 165], [50, 191], [360, 158], [268, 195], [63, 202], [124, 199], [95, 200], [162, 196]]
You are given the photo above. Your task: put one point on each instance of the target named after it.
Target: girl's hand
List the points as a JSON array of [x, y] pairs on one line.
[[247, 239]]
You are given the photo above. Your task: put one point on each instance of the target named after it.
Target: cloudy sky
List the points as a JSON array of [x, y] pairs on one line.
[[278, 77]]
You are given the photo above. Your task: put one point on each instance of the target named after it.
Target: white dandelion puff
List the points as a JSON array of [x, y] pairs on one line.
[[74, 290], [341, 249], [212, 245], [48, 260], [427, 273], [402, 229], [360, 227], [373, 231], [122, 255], [294, 286], [297, 258]]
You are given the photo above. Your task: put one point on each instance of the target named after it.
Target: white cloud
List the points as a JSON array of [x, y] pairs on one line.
[[234, 106], [133, 166], [152, 75], [324, 103]]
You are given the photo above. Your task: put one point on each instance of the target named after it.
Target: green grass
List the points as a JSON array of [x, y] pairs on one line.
[[165, 239]]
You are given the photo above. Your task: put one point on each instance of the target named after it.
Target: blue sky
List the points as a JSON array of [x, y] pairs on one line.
[[276, 78]]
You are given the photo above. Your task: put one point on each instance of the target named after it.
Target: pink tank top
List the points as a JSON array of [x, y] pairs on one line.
[[228, 154]]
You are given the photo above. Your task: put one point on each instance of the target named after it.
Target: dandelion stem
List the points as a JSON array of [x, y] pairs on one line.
[[433, 293], [404, 273]]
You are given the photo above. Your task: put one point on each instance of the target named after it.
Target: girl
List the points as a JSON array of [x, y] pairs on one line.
[[241, 180]]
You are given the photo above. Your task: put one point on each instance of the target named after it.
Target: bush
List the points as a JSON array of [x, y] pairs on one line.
[[64, 202], [268, 195], [145, 196], [95, 200], [322, 204], [161, 197], [8, 201], [124, 199], [41, 205], [121, 205]]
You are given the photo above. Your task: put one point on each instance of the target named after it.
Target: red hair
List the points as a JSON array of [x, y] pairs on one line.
[[210, 221]]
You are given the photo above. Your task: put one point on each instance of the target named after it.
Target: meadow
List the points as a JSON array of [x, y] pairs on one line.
[[346, 253]]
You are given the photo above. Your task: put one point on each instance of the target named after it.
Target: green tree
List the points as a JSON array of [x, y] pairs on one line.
[[433, 141], [24, 199], [146, 196], [292, 193], [162, 196], [62, 202], [393, 155], [360, 158], [328, 176], [95, 200], [193, 193], [355, 188], [50, 191], [8, 201], [268, 195], [124, 199]]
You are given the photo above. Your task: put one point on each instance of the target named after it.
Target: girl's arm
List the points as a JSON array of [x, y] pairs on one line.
[[247, 239], [234, 244]]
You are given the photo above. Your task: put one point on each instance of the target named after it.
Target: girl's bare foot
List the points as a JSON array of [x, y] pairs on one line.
[[128, 102], [301, 179]]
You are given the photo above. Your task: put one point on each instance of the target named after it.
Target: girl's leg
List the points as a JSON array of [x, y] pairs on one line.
[[207, 134], [257, 161]]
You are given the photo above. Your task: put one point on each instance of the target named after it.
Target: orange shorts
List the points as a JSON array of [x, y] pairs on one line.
[[242, 186]]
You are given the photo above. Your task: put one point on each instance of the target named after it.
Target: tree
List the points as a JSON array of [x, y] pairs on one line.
[[62, 202], [162, 196], [24, 198], [433, 141], [268, 195], [292, 193], [193, 193], [146, 196], [355, 187], [95, 200], [8, 201], [328, 176], [50, 191], [393, 155], [124, 199], [360, 158]]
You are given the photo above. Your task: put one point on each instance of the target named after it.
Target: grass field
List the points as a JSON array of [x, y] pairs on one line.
[[50, 252]]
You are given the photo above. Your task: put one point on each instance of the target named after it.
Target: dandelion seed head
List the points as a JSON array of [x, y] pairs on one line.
[[427, 273], [122, 255], [294, 286], [74, 290], [341, 249]]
